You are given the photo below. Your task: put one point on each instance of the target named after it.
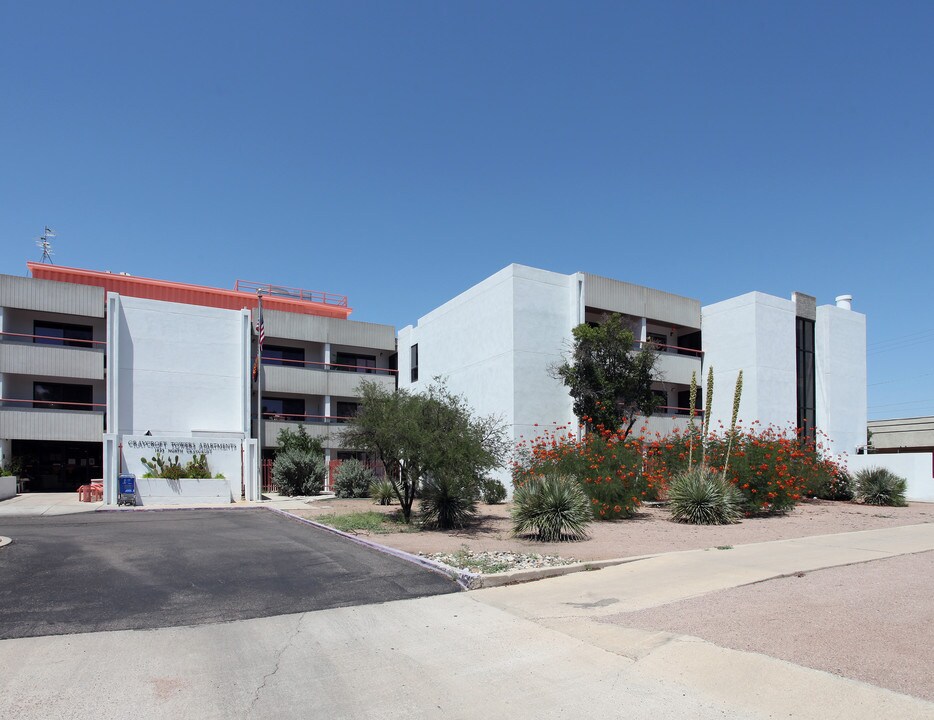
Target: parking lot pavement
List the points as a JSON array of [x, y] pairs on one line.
[[136, 570]]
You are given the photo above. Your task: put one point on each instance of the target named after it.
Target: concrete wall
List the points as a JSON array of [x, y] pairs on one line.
[[840, 349], [916, 468], [495, 344], [7, 487], [177, 368], [754, 333]]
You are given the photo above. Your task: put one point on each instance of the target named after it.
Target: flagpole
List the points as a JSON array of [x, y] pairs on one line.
[[260, 333]]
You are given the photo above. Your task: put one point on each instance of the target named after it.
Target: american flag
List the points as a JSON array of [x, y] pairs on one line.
[[260, 327]]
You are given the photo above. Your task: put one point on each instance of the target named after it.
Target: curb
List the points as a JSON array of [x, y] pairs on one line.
[[4, 541], [514, 577], [465, 579]]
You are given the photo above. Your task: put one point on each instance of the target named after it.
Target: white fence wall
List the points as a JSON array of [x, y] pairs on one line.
[[916, 468]]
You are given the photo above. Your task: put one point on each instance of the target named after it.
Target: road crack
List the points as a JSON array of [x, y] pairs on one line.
[[278, 662]]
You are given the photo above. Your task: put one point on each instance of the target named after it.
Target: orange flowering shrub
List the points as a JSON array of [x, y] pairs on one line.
[[608, 466], [772, 468], [666, 457]]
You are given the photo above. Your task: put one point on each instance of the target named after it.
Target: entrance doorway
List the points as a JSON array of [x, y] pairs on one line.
[[58, 466]]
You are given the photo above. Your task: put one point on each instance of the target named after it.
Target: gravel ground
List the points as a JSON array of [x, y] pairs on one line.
[[834, 620], [648, 533]]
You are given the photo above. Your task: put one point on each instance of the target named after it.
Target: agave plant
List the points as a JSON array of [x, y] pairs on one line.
[[382, 491], [447, 502], [551, 508], [701, 497], [879, 486]]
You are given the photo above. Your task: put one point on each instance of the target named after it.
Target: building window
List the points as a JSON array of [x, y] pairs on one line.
[[62, 396], [56, 333], [346, 410], [414, 363], [352, 362], [804, 342], [282, 355], [284, 408]]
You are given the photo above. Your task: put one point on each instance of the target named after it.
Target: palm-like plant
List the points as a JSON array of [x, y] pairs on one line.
[[447, 502], [701, 497], [879, 486], [551, 508]]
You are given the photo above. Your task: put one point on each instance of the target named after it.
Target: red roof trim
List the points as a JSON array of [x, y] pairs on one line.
[[171, 291]]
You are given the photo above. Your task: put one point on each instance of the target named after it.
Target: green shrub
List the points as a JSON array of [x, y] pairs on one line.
[[382, 492], [353, 479], [702, 497], [447, 502], [879, 486], [830, 484], [492, 491], [298, 472], [12, 467], [551, 508]]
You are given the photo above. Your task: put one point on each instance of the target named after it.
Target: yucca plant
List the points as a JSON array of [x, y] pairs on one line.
[[701, 497], [551, 508], [381, 491], [879, 486], [447, 502]]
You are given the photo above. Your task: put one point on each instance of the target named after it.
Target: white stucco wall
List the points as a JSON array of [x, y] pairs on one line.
[[179, 368], [840, 357], [754, 333], [495, 344], [916, 468]]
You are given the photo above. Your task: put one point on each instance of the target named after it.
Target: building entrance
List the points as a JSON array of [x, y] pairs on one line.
[[58, 466]]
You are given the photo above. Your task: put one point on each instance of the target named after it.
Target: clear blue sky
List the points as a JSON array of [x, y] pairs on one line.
[[399, 152]]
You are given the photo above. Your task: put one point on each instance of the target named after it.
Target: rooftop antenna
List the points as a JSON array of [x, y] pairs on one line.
[[45, 243]]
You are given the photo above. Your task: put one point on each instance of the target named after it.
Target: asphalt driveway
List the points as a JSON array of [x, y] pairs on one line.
[[136, 570]]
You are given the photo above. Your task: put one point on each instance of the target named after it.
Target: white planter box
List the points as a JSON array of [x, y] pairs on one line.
[[7, 487], [186, 491]]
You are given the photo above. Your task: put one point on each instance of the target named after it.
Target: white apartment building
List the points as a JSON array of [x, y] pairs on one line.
[[497, 342], [99, 370]]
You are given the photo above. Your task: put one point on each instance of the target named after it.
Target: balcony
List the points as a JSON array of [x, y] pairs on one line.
[[676, 364], [22, 354], [306, 377], [326, 428], [57, 421]]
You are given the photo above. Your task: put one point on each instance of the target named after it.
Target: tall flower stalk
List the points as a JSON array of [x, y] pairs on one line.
[[708, 401], [691, 429], [737, 394]]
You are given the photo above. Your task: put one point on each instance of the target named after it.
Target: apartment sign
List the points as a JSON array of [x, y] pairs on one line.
[[222, 454]]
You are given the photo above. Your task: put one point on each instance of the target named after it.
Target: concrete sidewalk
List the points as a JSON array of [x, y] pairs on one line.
[[38, 504], [67, 503], [675, 576]]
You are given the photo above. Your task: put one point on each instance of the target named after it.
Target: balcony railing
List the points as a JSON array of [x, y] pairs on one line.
[[280, 291], [52, 340], [52, 404], [311, 419], [674, 410], [670, 348], [314, 365]]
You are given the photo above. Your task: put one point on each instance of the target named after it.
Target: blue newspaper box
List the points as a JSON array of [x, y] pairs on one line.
[[126, 488]]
